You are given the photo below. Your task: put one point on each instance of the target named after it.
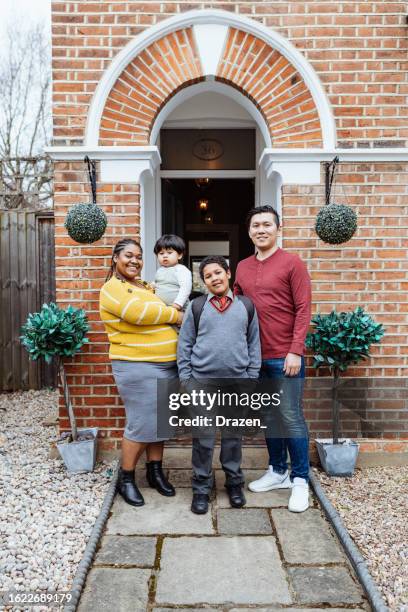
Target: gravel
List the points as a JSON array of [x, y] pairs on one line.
[[46, 514], [373, 505]]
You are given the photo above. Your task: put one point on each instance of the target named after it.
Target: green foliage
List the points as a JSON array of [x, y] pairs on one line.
[[342, 338], [85, 223], [336, 223], [54, 332]]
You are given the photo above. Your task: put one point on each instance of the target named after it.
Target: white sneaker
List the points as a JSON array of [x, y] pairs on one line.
[[299, 498], [270, 480]]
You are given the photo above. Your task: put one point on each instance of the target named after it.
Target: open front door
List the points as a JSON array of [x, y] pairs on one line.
[[172, 210]]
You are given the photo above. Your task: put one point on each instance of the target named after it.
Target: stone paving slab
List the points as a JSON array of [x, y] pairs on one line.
[[160, 515], [306, 537], [140, 478], [192, 609], [252, 521], [221, 570], [115, 589], [249, 475], [180, 478], [332, 585], [126, 550], [275, 609]]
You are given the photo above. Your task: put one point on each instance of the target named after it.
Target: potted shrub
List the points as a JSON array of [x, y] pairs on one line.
[[338, 340], [56, 333]]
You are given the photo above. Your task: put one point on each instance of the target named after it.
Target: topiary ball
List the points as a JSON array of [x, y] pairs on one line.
[[336, 223], [86, 223]]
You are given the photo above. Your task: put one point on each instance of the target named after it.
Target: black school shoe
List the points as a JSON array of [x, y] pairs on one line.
[[199, 505], [236, 496], [128, 489]]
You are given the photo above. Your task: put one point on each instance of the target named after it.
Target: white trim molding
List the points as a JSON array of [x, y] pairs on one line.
[[79, 152], [210, 17], [118, 164], [302, 166], [214, 87], [210, 52], [345, 155], [192, 174]]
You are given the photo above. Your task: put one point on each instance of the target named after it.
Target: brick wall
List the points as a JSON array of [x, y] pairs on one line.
[[80, 272], [358, 50]]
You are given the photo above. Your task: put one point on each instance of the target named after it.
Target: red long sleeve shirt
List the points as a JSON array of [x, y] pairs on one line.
[[280, 288]]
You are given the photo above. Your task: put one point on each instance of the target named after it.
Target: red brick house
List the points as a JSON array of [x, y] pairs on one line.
[[256, 97]]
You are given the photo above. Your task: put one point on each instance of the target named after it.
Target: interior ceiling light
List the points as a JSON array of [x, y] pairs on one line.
[[203, 182], [203, 204]]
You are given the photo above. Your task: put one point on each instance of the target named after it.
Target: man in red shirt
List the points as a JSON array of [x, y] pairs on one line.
[[279, 285]]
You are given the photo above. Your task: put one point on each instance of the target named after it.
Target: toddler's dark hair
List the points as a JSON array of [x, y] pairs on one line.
[[170, 241], [213, 259]]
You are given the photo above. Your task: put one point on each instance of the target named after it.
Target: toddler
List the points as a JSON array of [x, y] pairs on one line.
[[173, 281]]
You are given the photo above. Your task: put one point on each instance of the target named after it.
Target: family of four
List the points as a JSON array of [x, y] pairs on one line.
[[257, 328]]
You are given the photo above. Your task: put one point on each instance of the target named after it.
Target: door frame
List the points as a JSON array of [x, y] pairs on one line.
[[232, 229]]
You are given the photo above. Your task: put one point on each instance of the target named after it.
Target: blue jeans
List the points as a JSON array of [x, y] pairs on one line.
[[298, 443]]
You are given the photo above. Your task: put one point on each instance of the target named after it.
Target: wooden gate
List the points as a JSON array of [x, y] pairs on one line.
[[27, 280]]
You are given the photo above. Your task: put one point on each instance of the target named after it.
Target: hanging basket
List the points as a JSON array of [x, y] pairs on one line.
[[336, 223], [86, 222]]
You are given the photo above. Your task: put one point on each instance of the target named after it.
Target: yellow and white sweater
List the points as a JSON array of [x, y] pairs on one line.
[[137, 323]]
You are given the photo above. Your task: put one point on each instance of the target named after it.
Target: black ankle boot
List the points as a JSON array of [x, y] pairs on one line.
[[128, 489], [157, 479]]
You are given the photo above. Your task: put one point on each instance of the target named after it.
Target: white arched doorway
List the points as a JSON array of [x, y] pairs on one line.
[[209, 105]]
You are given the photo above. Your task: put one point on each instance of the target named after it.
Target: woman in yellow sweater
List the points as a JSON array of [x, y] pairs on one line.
[[143, 347]]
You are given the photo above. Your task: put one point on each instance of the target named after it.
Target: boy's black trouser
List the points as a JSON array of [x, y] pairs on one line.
[[202, 458]]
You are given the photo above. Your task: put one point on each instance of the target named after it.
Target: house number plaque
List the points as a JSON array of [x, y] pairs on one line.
[[208, 149]]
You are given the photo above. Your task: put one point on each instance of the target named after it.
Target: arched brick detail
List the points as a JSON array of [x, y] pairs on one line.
[[145, 85], [276, 87], [251, 65]]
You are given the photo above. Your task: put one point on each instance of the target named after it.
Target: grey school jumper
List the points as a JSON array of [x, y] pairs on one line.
[[222, 348]]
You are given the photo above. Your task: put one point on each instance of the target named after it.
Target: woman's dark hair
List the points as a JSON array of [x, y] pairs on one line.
[[117, 249], [170, 241], [262, 209], [213, 259]]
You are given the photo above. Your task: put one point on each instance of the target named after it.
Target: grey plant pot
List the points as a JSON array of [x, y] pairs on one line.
[[338, 459], [80, 456]]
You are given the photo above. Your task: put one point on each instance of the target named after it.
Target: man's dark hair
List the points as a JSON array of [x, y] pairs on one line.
[[262, 209], [213, 259], [170, 241]]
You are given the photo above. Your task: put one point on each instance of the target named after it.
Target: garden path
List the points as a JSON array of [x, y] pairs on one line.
[[162, 557]]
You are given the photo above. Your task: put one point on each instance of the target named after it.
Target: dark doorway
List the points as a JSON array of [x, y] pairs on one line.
[[210, 215]]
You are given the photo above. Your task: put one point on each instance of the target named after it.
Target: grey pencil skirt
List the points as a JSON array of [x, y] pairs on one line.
[[136, 382]]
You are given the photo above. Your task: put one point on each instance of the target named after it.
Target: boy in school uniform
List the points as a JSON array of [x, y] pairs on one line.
[[219, 338]]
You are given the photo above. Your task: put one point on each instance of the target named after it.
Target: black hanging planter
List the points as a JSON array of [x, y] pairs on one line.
[[86, 222], [335, 223]]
